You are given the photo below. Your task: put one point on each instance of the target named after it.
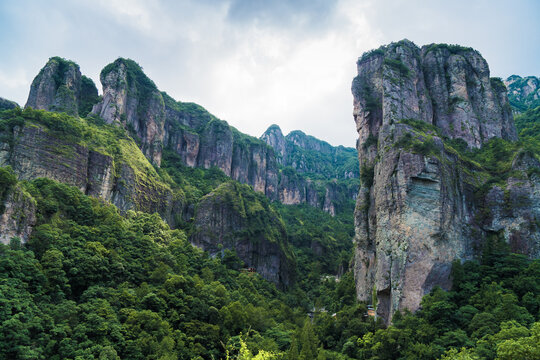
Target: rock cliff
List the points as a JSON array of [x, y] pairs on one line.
[[157, 122], [17, 209], [422, 204], [233, 217], [59, 86], [310, 169], [203, 140], [132, 99], [98, 161]]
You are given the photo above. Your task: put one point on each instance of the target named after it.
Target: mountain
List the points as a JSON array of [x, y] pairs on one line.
[[6, 104], [135, 150], [442, 174], [59, 86], [313, 171], [311, 156], [523, 93]]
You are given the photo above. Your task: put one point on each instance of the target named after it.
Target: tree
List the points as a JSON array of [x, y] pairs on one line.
[[309, 342]]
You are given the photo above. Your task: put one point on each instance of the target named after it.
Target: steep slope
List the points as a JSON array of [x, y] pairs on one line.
[[132, 99], [523, 93], [101, 160], [421, 115], [59, 86], [158, 122]]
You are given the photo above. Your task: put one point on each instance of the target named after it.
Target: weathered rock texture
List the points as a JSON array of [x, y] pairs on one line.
[[18, 216], [59, 86], [203, 140], [231, 217], [416, 210], [132, 99], [523, 93], [158, 122]]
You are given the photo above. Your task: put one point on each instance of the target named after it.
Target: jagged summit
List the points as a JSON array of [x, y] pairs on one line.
[[447, 86], [59, 86], [131, 98]]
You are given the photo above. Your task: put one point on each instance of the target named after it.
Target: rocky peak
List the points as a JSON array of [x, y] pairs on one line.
[[447, 86], [132, 99], [274, 137], [523, 93], [59, 86]]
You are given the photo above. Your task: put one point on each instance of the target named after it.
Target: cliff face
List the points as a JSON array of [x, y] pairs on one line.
[[202, 140], [59, 86], [132, 99], [120, 174], [232, 217], [157, 122], [310, 169], [18, 216], [419, 206]]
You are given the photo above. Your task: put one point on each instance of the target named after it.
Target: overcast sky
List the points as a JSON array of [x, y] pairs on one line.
[[257, 62]]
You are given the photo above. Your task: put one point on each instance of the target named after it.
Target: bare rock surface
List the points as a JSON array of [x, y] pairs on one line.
[[418, 208]]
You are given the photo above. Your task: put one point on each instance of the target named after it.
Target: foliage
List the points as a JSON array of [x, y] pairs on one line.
[[88, 96], [489, 314], [452, 48], [91, 282], [93, 133], [497, 84], [367, 175], [397, 65]]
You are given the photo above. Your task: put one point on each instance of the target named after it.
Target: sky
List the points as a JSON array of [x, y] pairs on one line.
[[257, 62]]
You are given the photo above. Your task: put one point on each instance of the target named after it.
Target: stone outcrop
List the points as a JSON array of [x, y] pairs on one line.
[[523, 93], [305, 162], [295, 189], [59, 86], [418, 208], [18, 216], [231, 217], [156, 121], [132, 99], [513, 210]]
